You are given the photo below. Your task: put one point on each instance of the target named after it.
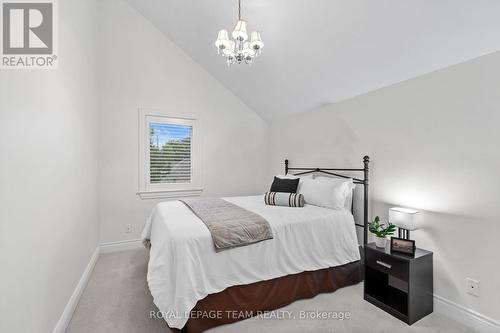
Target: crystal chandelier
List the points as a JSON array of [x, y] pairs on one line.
[[239, 49]]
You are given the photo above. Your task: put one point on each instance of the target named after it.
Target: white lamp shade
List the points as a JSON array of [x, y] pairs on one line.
[[222, 39], [247, 50], [403, 218], [229, 50], [255, 41], [240, 31]]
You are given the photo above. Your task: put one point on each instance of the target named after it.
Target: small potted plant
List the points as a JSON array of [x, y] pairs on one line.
[[381, 231]]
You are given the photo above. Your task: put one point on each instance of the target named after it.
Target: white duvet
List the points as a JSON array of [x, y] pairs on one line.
[[184, 267]]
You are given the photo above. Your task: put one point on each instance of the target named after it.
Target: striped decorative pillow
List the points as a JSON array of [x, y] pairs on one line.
[[284, 199]]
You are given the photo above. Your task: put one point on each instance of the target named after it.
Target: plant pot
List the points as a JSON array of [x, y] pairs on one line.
[[380, 242]]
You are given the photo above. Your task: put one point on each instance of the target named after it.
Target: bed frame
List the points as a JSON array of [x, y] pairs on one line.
[[335, 172], [272, 294]]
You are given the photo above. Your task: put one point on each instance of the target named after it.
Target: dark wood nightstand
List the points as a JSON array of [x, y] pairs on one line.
[[398, 284]]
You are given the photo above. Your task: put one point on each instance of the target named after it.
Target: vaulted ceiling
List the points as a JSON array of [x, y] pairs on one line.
[[323, 51]]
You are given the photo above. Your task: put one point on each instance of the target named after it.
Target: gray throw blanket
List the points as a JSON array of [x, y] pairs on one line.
[[230, 225]]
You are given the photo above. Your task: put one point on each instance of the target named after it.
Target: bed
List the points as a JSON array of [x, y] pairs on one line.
[[314, 250]]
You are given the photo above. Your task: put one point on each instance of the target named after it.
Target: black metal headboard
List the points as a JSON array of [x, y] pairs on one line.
[[333, 172]]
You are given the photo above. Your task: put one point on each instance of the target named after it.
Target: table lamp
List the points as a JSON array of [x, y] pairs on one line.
[[404, 219]]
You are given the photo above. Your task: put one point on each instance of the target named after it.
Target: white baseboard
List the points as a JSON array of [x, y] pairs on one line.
[[121, 245], [468, 317], [65, 318]]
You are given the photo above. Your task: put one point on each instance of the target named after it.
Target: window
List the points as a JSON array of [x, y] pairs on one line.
[[169, 153], [169, 156]]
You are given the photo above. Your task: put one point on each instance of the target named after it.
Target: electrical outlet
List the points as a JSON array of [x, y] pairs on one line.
[[128, 228], [472, 286]]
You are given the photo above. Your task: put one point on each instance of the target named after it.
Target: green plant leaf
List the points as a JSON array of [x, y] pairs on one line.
[[381, 229]]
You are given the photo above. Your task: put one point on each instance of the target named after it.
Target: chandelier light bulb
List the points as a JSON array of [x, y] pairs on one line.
[[222, 38], [229, 50], [240, 31], [247, 50], [255, 41]]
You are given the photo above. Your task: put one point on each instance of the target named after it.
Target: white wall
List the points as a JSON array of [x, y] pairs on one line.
[[48, 177], [434, 143], [141, 68]]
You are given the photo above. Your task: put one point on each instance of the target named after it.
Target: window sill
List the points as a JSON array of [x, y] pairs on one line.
[[169, 194]]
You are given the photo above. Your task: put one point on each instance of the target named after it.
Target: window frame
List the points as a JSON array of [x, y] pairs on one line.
[[147, 190]]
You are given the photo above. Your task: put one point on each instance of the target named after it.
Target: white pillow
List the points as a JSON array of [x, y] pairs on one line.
[[349, 198], [326, 192], [348, 185]]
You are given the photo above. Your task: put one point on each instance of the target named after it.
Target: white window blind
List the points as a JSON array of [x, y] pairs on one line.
[[170, 156], [170, 153]]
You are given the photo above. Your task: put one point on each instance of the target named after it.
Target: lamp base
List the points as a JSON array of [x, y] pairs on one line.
[[403, 233]]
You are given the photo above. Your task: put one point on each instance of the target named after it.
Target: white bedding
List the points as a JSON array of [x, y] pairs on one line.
[[184, 267]]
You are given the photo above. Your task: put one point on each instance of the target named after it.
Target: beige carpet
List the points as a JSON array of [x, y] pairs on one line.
[[117, 299]]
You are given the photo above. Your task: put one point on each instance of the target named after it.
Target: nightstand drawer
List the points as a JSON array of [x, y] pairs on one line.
[[387, 264]]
